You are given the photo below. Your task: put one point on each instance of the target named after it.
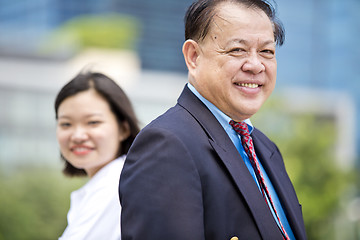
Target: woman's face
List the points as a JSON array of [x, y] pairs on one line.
[[87, 130]]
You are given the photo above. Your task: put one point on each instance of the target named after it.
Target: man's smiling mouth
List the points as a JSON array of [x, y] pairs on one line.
[[249, 85]]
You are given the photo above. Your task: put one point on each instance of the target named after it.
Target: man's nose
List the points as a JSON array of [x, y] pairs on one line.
[[253, 64]]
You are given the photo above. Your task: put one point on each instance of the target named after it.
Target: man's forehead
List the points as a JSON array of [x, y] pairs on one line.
[[236, 15], [227, 12]]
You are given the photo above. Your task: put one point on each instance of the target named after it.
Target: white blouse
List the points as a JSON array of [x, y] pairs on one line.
[[95, 208]]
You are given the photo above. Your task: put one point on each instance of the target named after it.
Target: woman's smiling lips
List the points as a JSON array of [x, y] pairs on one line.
[[81, 149]]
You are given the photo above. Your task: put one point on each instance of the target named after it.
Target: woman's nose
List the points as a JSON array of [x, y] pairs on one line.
[[79, 135]]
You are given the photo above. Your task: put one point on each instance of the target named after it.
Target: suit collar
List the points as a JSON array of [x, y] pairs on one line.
[[233, 162], [219, 115]]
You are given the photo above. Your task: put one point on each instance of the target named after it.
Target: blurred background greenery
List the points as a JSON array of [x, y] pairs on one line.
[[34, 203], [307, 143], [35, 196], [109, 31]]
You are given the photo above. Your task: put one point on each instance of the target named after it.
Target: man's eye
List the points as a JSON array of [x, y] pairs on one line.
[[237, 50], [268, 51]]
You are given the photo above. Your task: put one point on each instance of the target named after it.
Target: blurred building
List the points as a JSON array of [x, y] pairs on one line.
[[320, 52]]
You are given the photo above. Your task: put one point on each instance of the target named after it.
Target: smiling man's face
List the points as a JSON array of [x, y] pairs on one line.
[[235, 67]]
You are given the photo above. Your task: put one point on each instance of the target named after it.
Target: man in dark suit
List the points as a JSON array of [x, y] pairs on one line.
[[195, 172]]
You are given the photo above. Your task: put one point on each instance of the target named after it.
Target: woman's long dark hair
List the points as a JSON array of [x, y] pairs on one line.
[[119, 103]]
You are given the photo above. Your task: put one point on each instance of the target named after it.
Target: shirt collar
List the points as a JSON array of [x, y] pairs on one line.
[[220, 116]]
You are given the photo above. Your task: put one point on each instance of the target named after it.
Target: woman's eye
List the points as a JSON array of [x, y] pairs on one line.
[[93, 123], [64, 124]]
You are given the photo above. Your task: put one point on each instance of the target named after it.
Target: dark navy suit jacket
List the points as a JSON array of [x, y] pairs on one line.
[[183, 179]]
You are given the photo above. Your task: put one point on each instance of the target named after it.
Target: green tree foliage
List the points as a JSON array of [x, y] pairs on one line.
[[111, 31], [34, 203], [307, 143]]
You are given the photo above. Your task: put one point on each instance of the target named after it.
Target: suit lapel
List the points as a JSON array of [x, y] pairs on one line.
[[272, 164], [235, 165]]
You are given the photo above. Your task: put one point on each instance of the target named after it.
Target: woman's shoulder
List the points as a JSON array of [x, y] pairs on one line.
[[105, 180]]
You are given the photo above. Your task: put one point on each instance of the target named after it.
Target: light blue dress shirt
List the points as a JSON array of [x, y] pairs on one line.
[[236, 139]]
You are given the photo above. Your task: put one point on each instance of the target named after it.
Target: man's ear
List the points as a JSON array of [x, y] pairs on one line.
[[191, 53]]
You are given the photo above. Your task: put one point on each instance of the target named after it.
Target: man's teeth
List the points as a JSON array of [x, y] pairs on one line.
[[249, 85]]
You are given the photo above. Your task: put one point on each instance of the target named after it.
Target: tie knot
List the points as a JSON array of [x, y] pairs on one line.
[[240, 127]]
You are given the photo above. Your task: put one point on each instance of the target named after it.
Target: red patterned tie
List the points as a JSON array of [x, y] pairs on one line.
[[246, 140]]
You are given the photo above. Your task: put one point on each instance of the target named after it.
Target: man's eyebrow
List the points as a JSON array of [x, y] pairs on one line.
[[243, 41]]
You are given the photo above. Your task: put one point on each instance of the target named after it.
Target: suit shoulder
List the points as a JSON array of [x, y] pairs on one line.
[[173, 119]]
